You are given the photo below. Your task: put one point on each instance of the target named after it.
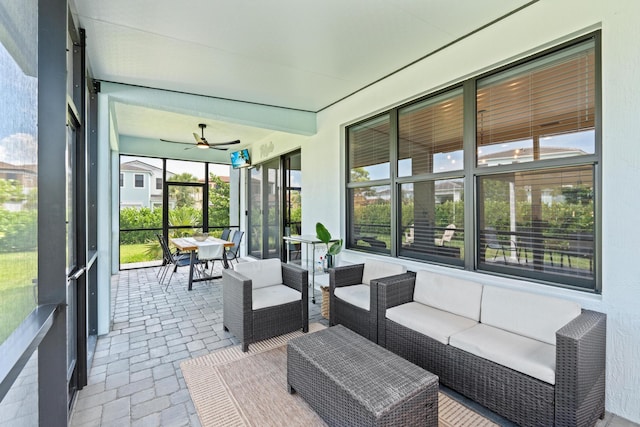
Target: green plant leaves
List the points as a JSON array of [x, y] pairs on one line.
[[325, 237], [322, 233]]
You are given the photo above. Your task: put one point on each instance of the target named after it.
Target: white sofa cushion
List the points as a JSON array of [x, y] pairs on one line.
[[374, 269], [522, 354], [523, 313], [447, 293], [434, 323], [269, 296], [265, 272], [358, 295]]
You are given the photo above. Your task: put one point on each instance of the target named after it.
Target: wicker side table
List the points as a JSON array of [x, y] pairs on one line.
[[324, 308], [348, 380]]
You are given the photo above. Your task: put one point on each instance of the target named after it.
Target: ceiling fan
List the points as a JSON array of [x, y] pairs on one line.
[[201, 141]]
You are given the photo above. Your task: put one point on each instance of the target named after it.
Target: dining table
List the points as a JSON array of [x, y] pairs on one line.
[[190, 244]]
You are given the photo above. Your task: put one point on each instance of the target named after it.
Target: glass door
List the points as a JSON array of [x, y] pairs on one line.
[[76, 259], [292, 206], [184, 208], [265, 210]]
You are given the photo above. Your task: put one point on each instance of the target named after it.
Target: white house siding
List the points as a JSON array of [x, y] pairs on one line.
[[139, 197], [543, 24]]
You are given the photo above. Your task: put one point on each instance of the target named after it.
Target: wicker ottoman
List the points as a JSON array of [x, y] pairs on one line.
[[348, 380]]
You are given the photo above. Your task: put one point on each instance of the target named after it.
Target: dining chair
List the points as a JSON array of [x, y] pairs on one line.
[[171, 259], [209, 253], [225, 233], [232, 252]]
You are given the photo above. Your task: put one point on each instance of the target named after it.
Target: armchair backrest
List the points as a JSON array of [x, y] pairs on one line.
[[265, 272], [374, 269]]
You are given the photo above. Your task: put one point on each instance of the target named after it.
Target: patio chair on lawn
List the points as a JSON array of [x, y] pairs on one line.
[[264, 299], [353, 297], [491, 242], [446, 236]]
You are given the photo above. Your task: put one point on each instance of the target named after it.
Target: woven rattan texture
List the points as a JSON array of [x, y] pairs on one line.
[[349, 380], [342, 313], [250, 325], [577, 399]]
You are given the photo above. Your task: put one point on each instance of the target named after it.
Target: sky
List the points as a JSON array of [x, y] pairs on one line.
[[18, 115], [179, 166]]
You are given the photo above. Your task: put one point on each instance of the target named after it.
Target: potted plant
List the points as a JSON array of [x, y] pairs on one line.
[[332, 249]]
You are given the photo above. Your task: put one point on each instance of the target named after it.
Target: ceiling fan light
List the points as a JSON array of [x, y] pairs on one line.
[[202, 145]]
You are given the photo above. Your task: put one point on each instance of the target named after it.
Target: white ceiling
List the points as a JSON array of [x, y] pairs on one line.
[[298, 54]]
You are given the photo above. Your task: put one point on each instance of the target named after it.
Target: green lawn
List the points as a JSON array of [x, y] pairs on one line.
[[17, 294], [139, 252]]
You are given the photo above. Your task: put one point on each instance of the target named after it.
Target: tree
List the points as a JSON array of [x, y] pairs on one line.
[[181, 194], [218, 201], [10, 191]]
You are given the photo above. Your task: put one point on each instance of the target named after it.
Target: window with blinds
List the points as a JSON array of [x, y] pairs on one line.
[[539, 224], [529, 159], [540, 110], [369, 150], [430, 135]]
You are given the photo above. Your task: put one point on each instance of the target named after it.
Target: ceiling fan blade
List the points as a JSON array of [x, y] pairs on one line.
[[237, 141], [198, 139], [175, 142]]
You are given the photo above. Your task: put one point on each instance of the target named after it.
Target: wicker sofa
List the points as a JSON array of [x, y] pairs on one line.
[[535, 360]]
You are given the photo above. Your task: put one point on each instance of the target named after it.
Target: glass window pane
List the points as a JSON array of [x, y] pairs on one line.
[[369, 150], [431, 135], [432, 215], [18, 164], [542, 110], [371, 222], [539, 223], [219, 201]]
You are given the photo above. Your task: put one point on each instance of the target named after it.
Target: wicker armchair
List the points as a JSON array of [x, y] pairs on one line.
[[264, 299], [353, 295]]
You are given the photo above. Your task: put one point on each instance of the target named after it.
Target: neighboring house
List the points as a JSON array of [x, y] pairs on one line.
[[25, 175], [141, 185]]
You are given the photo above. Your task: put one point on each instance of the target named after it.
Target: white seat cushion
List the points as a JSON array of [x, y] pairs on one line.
[[522, 354], [374, 269], [523, 313], [429, 321], [358, 295], [447, 293], [269, 296], [265, 272]]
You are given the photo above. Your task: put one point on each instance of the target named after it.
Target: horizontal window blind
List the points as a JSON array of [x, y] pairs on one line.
[[541, 110], [540, 221], [369, 150], [430, 135]]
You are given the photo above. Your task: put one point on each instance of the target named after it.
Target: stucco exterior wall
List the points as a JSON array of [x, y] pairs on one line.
[[537, 27]]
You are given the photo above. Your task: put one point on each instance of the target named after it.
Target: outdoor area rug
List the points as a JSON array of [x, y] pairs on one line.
[[232, 388]]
